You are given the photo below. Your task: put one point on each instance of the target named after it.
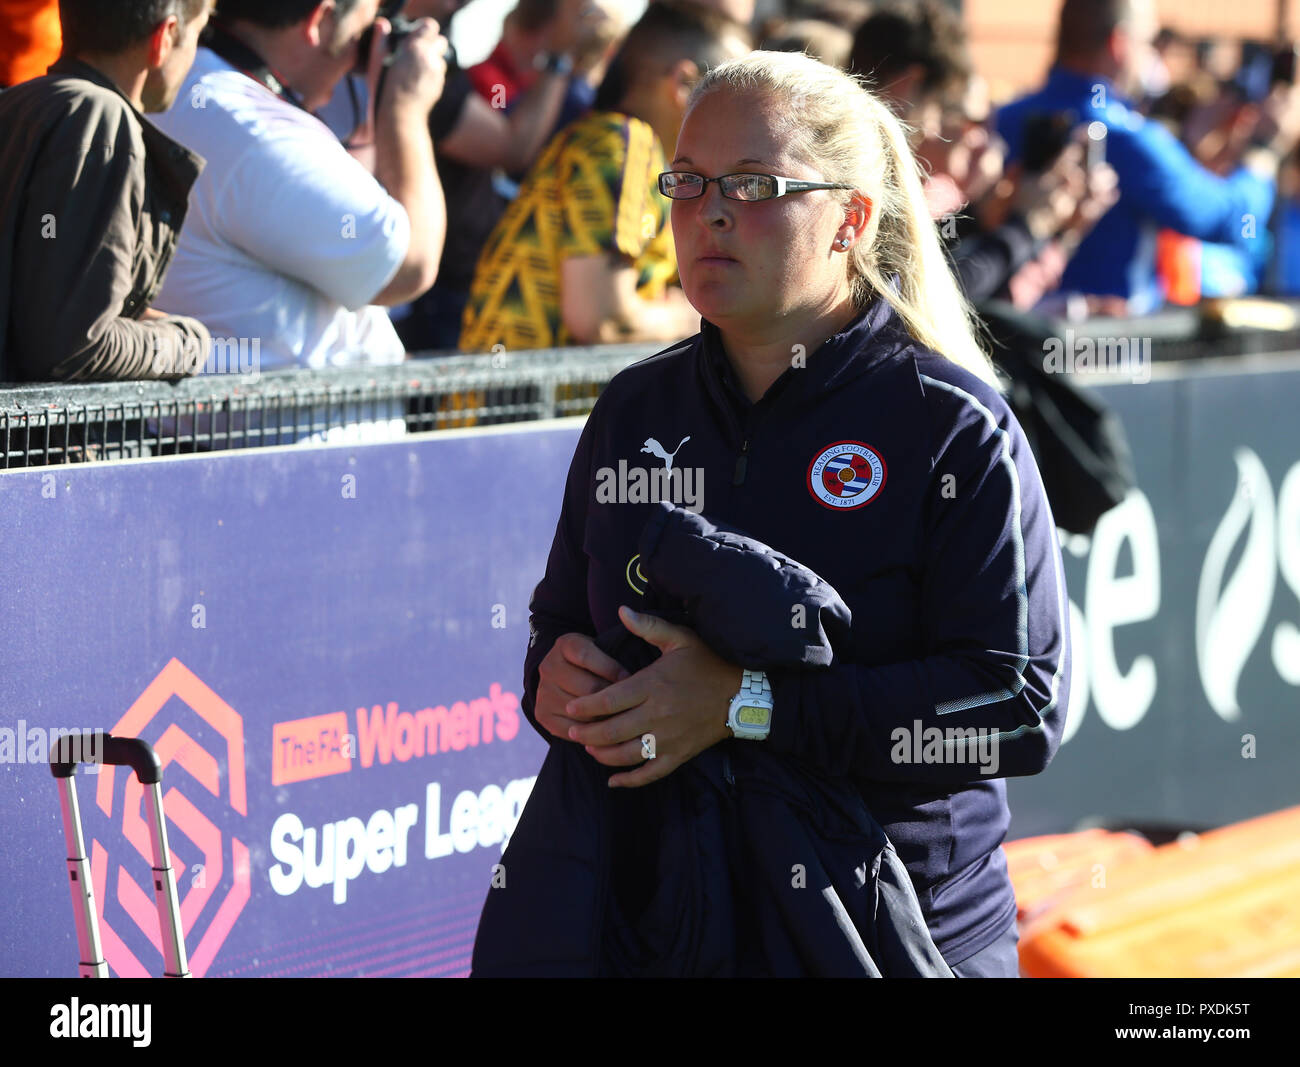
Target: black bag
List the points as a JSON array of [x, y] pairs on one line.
[[1082, 450]]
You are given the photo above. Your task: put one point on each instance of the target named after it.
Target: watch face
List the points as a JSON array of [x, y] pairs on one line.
[[753, 715]]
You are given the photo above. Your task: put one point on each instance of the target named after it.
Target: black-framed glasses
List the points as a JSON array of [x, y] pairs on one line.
[[684, 185]]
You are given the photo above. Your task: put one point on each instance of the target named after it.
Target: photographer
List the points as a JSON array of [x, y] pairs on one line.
[[293, 241]]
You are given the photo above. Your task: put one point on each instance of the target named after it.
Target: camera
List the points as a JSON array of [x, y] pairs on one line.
[[402, 29]]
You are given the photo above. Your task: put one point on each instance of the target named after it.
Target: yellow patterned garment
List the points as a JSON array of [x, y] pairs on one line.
[[593, 191]]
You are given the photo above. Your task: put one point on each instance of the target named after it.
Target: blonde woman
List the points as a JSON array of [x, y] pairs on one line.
[[837, 407]]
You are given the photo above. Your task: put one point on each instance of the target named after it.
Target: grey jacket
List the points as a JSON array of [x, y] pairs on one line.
[[92, 198]]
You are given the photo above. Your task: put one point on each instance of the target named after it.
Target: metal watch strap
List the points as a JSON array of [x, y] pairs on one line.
[[755, 684]]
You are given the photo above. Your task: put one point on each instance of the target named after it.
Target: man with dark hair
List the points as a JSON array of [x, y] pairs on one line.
[[1102, 49], [585, 254], [916, 56], [91, 198], [278, 14], [293, 242]]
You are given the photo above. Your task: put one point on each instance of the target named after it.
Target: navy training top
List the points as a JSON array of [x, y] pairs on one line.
[[906, 482]]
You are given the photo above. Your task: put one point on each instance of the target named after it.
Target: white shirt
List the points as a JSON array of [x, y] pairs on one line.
[[288, 238]]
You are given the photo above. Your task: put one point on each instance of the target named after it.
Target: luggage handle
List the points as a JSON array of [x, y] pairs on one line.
[[139, 755], [134, 752]]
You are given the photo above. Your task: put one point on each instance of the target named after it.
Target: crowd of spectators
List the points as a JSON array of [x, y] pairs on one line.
[[326, 177]]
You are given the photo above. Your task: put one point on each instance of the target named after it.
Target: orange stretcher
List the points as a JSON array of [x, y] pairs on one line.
[[1044, 868], [1223, 904]]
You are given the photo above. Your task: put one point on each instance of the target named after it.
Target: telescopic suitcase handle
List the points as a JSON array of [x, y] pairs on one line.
[[138, 754]]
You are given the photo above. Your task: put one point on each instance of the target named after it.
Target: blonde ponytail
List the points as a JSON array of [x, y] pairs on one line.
[[833, 123]]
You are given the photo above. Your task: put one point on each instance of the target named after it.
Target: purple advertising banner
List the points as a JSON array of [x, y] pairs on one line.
[[325, 646], [1185, 609]]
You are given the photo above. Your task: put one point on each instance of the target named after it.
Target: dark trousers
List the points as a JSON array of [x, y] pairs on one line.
[[1001, 959]]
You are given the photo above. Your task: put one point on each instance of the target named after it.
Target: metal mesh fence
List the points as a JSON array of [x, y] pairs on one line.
[[71, 423], [65, 423]]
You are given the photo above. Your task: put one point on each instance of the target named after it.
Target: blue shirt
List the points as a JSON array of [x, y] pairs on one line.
[[1161, 185]]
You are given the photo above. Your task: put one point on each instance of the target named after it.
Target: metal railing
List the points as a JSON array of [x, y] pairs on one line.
[[59, 423]]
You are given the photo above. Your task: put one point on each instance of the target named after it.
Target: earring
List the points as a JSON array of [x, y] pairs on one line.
[[844, 242]]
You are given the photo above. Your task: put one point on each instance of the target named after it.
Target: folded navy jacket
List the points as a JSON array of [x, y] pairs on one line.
[[742, 862]]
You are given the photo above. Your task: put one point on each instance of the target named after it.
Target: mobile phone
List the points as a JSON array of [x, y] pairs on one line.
[[1096, 152], [1284, 64], [1045, 138]]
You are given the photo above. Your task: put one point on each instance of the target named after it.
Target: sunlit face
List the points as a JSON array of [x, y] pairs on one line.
[[747, 264], [162, 85], [338, 52]]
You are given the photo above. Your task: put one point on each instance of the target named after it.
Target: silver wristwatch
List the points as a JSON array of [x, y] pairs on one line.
[[750, 714]]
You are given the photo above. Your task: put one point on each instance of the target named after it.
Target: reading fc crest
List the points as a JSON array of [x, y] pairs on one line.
[[846, 475]]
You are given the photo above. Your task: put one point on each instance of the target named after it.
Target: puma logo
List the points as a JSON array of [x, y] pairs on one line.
[[656, 449], [641, 485]]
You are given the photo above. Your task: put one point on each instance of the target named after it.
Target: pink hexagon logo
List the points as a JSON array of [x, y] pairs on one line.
[[213, 881]]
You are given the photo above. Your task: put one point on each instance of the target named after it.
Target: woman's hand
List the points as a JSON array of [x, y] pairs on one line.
[[575, 667], [681, 699]]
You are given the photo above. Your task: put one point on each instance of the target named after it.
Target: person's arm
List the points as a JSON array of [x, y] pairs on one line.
[[983, 262], [532, 117], [600, 304], [487, 137], [559, 602], [404, 162], [72, 271], [299, 204], [1039, 276], [995, 619], [1158, 177], [598, 252]]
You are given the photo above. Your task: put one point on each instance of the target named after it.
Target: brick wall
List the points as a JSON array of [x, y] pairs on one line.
[[1013, 40]]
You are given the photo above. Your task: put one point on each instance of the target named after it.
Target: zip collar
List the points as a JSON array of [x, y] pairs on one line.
[[871, 338]]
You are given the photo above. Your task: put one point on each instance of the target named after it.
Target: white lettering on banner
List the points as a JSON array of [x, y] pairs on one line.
[[1114, 601], [346, 847], [1232, 609], [339, 852], [1286, 638], [477, 820], [1078, 673], [436, 844]]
